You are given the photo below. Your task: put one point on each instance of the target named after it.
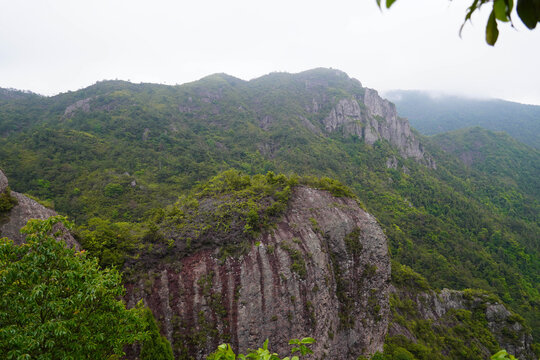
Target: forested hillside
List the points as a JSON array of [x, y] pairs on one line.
[[437, 114], [112, 155]]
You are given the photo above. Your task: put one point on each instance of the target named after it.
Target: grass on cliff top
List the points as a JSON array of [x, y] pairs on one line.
[[226, 212], [234, 206]]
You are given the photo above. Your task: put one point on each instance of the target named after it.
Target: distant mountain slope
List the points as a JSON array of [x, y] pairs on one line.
[[496, 154], [433, 115]]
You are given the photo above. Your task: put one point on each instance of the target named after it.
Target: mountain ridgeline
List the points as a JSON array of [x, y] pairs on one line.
[[457, 211]]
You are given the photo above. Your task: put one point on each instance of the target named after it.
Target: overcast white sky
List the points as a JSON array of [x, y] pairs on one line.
[[51, 46]]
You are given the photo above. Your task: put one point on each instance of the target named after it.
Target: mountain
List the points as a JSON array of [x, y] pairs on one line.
[[116, 155], [437, 114]]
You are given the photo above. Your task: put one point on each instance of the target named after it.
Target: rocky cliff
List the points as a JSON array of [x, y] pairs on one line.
[[457, 324], [370, 117], [23, 210], [323, 271]]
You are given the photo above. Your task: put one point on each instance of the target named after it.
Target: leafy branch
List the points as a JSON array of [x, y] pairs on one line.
[[225, 352]]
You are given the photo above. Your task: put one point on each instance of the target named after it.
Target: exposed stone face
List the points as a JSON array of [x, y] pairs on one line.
[[323, 272], [24, 210], [434, 307], [3, 182], [83, 105], [372, 118]]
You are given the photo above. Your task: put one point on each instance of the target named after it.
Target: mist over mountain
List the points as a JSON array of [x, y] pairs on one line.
[[436, 113]]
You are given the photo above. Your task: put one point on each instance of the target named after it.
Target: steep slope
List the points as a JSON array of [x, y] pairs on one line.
[[323, 271], [117, 132], [437, 114]]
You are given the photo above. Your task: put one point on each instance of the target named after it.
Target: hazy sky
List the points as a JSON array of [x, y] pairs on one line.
[[51, 46]]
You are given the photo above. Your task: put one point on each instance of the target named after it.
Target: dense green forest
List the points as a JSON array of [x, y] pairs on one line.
[[114, 155], [435, 114]]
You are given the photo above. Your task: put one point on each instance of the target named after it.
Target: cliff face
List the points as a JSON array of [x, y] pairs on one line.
[[324, 272], [25, 209], [371, 118]]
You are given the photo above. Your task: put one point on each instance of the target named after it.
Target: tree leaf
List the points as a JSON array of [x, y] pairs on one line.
[[528, 12], [499, 7], [389, 3], [492, 32], [307, 340]]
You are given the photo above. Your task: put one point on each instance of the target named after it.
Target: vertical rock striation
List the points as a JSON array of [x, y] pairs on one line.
[[371, 118], [324, 272]]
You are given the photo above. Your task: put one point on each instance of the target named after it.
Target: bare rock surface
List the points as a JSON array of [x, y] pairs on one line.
[[3, 182], [324, 272], [372, 118], [81, 105], [24, 210]]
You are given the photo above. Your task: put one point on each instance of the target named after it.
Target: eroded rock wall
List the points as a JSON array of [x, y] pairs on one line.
[[372, 118], [324, 272]]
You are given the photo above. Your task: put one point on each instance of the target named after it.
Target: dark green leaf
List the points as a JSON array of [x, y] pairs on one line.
[[492, 32], [528, 12]]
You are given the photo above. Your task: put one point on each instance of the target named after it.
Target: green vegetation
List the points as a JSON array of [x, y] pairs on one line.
[[502, 355], [55, 303], [225, 352], [228, 211], [155, 346], [7, 201], [116, 167], [527, 10], [298, 265]]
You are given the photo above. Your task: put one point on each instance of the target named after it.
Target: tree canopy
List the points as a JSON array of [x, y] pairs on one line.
[[55, 303]]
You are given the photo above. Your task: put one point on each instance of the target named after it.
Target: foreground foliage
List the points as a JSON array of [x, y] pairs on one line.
[[155, 346], [225, 352], [502, 355], [527, 10], [55, 303]]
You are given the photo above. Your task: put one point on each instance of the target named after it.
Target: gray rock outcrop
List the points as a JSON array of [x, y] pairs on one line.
[[372, 118], [3, 182], [24, 210], [80, 105], [324, 272]]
